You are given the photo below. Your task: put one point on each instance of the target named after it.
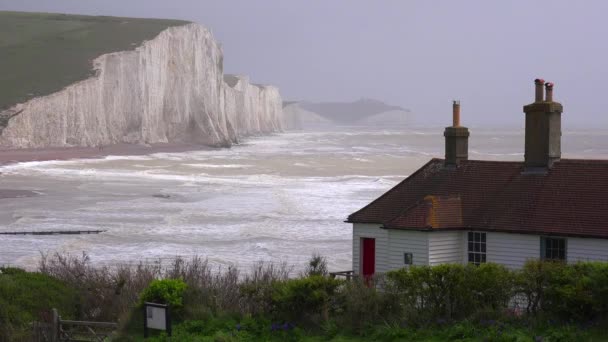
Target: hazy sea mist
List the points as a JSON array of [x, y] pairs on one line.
[[276, 198]]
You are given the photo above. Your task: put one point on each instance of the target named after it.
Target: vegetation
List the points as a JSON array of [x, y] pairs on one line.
[[25, 296], [41, 53], [165, 291], [555, 301]]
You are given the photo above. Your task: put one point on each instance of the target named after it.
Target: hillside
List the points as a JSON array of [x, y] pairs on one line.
[[363, 112], [350, 112], [41, 53]]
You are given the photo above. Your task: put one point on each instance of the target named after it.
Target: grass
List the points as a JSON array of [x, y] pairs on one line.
[[41, 53], [230, 329], [24, 296]]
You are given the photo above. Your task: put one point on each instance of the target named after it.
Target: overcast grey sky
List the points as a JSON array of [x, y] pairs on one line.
[[417, 54]]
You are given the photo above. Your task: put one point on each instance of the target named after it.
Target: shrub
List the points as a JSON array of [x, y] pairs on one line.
[[360, 306], [317, 266], [256, 289], [428, 293], [165, 291], [304, 298], [450, 291], [536, 282], [573, 292], [491, 285], [107, 294], [595, 282]]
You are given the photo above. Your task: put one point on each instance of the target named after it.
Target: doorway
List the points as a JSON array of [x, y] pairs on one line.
[[368, 257]]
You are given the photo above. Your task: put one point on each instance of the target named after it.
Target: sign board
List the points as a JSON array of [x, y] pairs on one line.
[[156, 316]]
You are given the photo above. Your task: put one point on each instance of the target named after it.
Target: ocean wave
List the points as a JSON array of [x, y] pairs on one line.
[[131, 157], [218, 166]]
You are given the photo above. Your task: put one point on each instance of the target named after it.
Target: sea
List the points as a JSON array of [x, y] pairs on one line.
[[279, 198]]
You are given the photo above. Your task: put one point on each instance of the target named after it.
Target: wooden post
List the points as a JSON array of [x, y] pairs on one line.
[[145, 321], [55, 326]]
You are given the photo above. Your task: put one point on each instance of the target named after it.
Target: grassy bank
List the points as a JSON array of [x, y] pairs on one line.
[[25, 296], [41, 53], [226, 330]]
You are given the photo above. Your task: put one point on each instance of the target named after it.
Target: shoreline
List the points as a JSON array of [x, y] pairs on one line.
[[14, 156]]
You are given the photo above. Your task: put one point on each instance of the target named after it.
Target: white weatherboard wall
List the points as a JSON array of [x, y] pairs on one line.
[[441, 247], [579, 249], [366, 230], [427, 248], [407, 241], [445, 248], [511, 250], [169, 89]]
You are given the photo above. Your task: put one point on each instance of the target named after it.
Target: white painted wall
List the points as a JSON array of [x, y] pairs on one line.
[[440, 247], [579, 249], [367, 230], [407, 241], [511, 250], [446, 247]]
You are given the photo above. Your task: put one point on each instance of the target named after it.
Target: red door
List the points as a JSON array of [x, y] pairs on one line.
[[368, 264]]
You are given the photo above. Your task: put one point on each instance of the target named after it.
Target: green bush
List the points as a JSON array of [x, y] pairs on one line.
[[491, 285], [360, 306], [24, 296], [576, 292], [432, 292], [165, 291], [308, 297]]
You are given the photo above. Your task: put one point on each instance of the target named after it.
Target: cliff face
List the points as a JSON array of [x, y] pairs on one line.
[[296, 117], [170, 89], [250, 108]]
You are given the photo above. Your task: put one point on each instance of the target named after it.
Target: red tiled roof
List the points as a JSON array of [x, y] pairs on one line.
[[432, 212], [570, 199]]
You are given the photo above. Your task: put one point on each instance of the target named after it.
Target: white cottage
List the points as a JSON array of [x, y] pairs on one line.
[[456, 210]]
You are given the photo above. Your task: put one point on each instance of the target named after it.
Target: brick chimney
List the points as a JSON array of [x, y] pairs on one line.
[[456, 139], [543, 129]]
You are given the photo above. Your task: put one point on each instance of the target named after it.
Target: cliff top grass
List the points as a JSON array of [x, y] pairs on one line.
[[41, 53]]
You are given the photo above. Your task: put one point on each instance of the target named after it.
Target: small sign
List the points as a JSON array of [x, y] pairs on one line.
[[156, 316]]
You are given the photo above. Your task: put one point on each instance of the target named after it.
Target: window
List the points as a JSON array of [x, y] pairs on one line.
[[476, 247], [552, 248], [408, 258]]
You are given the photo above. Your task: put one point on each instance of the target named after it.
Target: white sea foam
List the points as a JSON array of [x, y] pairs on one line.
[[218, 166]]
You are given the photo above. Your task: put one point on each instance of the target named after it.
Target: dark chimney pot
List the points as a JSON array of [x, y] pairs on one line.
[[456, 139], [543, 130]]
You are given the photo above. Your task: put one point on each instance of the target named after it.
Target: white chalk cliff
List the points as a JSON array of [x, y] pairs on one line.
[[169, 89], [296, 117]]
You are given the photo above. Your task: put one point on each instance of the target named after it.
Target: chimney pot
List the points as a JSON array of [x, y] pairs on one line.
[[539, 89], [456, 113], [549, 92]]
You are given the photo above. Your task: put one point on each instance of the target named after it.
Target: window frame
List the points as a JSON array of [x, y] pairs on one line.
[[554, 249], [477, 247], [405, 258]]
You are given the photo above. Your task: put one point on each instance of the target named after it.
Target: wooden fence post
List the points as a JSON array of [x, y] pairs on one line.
[[55, 326]]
